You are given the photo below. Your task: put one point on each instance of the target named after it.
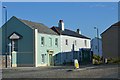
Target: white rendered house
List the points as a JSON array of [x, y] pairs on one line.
[[71, 41]]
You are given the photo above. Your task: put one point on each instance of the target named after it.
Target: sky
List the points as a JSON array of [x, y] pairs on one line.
[[82, 15]]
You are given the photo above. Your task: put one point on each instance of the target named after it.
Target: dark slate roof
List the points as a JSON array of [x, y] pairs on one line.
[[114, 25], [68, 32], [41, 27]]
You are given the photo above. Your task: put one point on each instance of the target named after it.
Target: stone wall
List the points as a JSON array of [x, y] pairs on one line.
[[3, 61]]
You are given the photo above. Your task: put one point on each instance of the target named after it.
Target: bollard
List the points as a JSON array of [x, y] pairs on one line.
[[76, 64], [93, 61], [106, 60]]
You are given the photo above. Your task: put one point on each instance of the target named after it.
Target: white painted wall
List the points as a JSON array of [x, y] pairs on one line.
[[79, 43], [67, 54], [94, 46]]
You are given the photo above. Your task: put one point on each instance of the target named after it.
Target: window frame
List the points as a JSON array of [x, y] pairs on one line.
[[14, 44], [42, 41], [50, 41], [56, 42], [42, 58], [76, 42], [85, 42], [66, 42]]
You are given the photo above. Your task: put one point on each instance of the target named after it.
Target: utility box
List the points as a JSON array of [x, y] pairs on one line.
[[85, 56]]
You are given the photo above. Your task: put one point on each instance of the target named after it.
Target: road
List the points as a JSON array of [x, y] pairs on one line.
[[101, 71]]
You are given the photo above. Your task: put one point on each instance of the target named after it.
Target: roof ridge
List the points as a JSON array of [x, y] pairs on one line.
[[40, 26], [73, 33]]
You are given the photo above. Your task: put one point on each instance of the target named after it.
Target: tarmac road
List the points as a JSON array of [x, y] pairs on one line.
[[101, 71]]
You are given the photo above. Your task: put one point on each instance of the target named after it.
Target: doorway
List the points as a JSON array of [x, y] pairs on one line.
[[50, 57]]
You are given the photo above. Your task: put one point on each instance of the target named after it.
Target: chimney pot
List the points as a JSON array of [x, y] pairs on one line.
[[61, 25], [78, 30], [60, 21]]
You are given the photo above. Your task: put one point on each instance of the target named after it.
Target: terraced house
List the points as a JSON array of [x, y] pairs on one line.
[[34, 44], [73, 44]]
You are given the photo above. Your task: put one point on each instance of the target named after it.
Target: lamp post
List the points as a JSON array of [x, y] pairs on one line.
[[5, 32], [97, 33]]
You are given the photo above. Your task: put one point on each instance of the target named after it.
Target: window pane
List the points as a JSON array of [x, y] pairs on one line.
[[56, 41], [50, 41], [66, 42], [85, 42], [42, 40], [43, 58], [75, 42]]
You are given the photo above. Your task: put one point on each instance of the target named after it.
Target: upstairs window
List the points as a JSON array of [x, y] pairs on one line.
[[42, 41], [85, 42], [50, 41], [66, 41], [75, 42], [56, 41]]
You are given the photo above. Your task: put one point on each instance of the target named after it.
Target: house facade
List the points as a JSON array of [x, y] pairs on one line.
[[28, 43], [32, 44], [71, 42], [96, 46], [110, 41]]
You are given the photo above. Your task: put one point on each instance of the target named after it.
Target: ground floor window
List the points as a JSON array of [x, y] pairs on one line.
[[43, 58]]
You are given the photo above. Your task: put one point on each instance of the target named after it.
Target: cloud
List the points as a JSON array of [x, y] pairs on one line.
[[103, 6], [98, 6]]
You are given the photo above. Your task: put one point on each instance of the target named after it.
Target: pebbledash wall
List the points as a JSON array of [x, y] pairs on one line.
[[47, 49], [68, 49]]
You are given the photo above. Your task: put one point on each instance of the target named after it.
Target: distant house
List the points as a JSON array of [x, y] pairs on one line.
[[33, 44], [71, 42], [96, 46], [110, 41]]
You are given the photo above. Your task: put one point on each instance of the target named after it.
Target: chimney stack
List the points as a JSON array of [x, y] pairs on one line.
[[61, 25], [78, 31]]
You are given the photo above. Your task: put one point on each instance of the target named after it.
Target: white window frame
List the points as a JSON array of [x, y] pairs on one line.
[[56, 41], [42, 41], [50, 41], [66, 42], [43, 58]]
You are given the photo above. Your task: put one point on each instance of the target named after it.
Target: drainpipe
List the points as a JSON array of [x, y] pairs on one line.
[[10, 45], [35, 45]]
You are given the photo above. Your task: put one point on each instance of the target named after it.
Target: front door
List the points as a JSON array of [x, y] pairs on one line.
[[50, 59]]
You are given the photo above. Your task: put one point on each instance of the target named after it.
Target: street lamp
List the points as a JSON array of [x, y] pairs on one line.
[[5, 32], [97, 32], [5, 7]]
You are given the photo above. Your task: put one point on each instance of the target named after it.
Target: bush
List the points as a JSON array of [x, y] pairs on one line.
[[98, 59], [113, 60]]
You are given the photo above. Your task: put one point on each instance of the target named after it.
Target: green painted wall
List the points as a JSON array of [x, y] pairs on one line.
[[43, 49], [25, 45]]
